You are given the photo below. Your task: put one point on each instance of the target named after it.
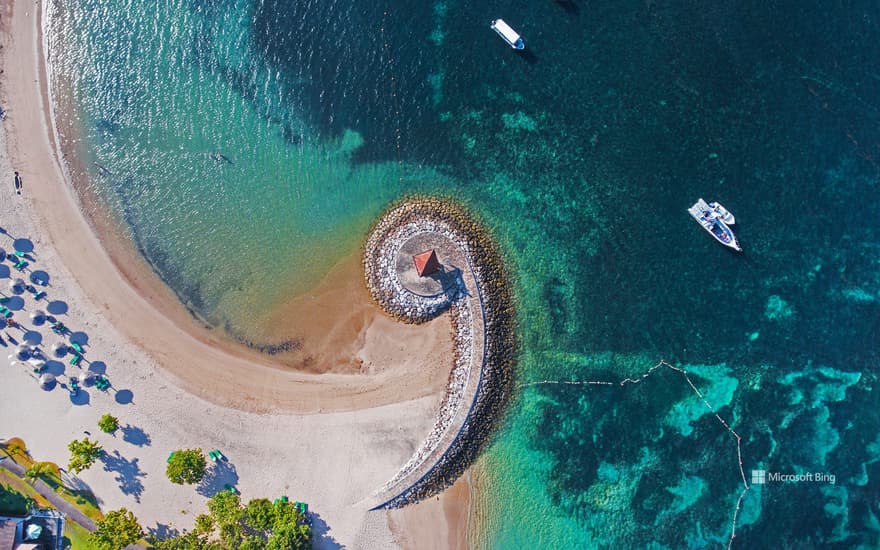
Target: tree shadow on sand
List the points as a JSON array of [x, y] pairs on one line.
[[81, 490], [162, 531], [128, 473], [218, 476], [136, 436], [321, 538]]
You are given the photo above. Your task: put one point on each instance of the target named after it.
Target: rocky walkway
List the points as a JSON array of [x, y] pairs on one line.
[[453, 442]]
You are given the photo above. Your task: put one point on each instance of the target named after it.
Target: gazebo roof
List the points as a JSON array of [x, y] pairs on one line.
[[426, 262]]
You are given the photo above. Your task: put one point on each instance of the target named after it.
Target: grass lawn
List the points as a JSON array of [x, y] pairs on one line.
[[12, 482], [84, 501], [78, 536], [12, 502]]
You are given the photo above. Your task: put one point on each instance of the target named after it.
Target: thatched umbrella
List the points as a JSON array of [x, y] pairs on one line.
[[47, 381], [22, 352], [59, 349], [16, 286]]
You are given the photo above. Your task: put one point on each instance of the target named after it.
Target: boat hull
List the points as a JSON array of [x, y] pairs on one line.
[[712, 220], [506, 32]]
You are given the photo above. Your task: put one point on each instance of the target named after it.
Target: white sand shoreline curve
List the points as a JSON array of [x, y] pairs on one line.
[[329, 460]]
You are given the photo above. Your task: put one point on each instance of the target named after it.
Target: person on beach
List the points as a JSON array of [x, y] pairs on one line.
[[17, 183]]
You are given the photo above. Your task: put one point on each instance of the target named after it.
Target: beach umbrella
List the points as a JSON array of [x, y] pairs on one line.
[[85, 378], [36, 363], [59, 349], [38, 316], [16, 285], [47, 380], [22, 352]]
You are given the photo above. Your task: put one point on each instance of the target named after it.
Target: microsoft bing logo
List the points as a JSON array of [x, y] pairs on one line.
[[762, 477]]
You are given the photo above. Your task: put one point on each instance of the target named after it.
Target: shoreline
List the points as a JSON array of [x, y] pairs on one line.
[[148, 313], [148, 339]]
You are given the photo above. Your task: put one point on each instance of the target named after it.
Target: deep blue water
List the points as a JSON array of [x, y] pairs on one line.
[[582, 154]]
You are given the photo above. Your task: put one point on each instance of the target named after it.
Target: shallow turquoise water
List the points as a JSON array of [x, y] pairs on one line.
[[582, 155]]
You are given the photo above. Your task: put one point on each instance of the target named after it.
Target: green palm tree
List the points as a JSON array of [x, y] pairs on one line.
[[36, 471]]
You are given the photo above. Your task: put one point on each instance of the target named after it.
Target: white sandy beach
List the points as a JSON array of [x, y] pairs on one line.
[[327, 439]]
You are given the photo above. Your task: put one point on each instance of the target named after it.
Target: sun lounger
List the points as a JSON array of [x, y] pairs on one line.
[[75, 360], [231, 489], [38, 295], [77, 348], [20, 265], [4, 299], [213, 455], [169, 456]]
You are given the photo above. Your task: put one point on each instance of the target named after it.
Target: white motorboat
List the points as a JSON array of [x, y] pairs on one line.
[[713, 217], [508, 34]]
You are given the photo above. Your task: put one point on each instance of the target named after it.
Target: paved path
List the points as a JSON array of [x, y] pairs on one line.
[[453, 256]]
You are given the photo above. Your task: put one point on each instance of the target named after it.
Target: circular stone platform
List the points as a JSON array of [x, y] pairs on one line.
[[451, 264]]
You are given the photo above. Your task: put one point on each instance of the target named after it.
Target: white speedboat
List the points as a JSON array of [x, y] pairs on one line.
[[722, 213], [513, 39], [714, 219]]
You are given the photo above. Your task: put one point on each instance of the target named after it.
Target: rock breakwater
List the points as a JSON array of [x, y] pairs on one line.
[[478, 297]]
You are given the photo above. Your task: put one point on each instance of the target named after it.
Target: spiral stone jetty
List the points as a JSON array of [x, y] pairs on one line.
[[470, 283]]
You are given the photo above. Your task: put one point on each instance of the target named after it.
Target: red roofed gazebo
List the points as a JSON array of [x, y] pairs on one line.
[[426, 263]]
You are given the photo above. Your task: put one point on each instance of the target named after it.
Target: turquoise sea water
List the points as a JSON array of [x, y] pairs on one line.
[[582, 155]]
